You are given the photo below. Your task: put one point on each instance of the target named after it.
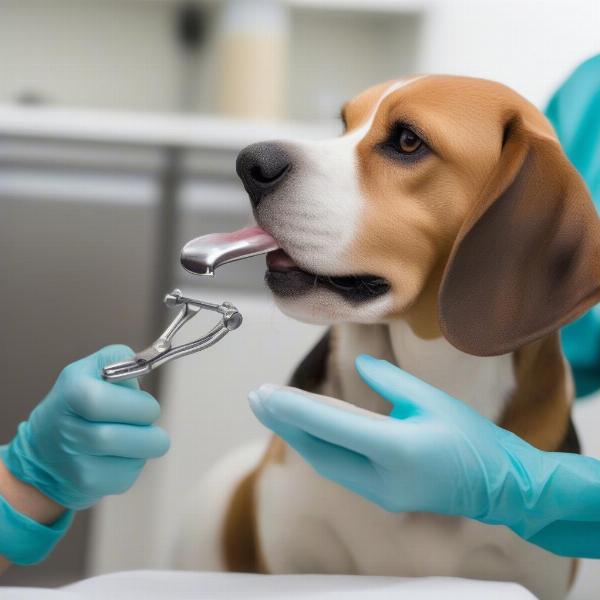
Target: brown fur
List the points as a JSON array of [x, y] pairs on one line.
[[356, 111], [240, 543], [240, 539], [540, 407], [527, 258]]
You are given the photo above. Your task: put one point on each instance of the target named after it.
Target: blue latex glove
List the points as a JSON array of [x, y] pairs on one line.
[[435, 454], [574, 110], [88, 438]]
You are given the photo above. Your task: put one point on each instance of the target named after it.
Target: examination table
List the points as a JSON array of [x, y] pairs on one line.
[[172, 585]]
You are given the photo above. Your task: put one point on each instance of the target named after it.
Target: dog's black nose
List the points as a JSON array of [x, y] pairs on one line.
[[262, 167]]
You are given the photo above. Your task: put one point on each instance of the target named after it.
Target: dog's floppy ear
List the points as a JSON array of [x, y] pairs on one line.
[[527, 259]]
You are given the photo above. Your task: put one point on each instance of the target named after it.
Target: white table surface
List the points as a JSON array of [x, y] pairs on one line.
[[179, 585]]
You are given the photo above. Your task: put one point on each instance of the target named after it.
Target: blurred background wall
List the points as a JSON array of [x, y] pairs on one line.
[[119, 125]]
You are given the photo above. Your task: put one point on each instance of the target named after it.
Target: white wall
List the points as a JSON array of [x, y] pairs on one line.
[[122, 53], [334, 56], [531, 45], [107, 53]]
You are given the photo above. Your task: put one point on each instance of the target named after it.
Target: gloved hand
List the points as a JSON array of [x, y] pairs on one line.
[[88, 438], [435, 454]]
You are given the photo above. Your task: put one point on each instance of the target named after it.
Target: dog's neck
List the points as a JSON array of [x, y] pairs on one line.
[[529, 392], [484, 383]]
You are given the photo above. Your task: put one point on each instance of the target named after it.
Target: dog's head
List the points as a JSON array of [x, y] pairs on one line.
[[447, 202]]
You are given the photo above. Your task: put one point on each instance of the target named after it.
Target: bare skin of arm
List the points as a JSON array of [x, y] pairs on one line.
[[28, 501]]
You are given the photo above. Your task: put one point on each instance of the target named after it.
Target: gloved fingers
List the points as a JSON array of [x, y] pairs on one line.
[[100, 401], [409, 395], [116, 439], [327, 419], [93, 364], [89, 484], [346, 467]]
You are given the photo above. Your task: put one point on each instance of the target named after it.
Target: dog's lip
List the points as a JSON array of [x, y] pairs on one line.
[[278, 261]]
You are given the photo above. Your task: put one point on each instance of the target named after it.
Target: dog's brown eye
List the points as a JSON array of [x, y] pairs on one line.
[[408, 141], [403, 144]]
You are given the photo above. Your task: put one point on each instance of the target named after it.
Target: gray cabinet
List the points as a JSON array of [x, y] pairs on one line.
[[86, 253]]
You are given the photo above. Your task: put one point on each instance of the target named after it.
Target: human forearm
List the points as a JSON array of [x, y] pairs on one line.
[[27, 499], [30, 522]]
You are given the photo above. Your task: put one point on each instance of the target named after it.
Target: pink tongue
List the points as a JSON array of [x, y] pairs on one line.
[[254, 237]]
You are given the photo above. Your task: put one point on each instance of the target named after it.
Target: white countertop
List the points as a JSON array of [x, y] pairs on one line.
[[145, 128]]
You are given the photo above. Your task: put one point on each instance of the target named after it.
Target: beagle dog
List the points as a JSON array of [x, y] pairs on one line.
[[446, 232]]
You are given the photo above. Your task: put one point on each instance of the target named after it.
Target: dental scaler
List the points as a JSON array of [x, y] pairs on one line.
[[201, 256]]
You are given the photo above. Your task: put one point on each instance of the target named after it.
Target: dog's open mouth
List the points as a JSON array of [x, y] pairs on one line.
[[286, 279]]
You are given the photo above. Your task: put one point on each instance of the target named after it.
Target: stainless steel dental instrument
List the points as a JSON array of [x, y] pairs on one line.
[[204, 254], [163, 351], [201, 256]]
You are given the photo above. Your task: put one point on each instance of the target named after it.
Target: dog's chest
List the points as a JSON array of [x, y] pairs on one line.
[[308, 524]]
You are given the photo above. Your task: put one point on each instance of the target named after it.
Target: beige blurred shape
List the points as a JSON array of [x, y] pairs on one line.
[[253, 59]]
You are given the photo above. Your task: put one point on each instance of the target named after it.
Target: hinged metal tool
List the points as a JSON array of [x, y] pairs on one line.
[[201, 256], [163, 351]]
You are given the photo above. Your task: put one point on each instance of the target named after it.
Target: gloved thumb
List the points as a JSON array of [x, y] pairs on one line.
[[409, 395], [393, 384]]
